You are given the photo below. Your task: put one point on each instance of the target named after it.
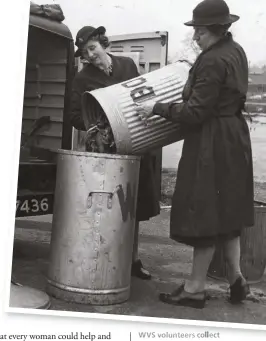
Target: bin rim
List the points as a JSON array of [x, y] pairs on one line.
[[96, 155], [118, 124]]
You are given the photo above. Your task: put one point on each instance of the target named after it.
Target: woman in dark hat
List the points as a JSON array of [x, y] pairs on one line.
[[213, 198], [104, 69]]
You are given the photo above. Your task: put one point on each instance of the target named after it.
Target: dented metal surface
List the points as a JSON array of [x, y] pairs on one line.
[[93, 227]]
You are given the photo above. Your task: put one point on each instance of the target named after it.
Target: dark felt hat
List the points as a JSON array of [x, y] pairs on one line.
[[84, 34], [212, 12]]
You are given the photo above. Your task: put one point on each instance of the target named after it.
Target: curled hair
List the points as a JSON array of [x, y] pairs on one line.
[[102, 39], [219, 30]]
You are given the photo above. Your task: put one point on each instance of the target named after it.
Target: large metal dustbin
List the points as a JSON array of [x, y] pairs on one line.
[[93, 227], [119, 103], [253, 251]]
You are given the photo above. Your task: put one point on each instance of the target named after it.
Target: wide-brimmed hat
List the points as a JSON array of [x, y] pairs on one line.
[[212, 12], [84, 34]]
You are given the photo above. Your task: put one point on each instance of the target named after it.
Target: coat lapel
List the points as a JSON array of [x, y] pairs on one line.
[[192, 72]]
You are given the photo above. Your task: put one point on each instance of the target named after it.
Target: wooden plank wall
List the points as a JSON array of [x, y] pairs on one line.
[[45, 82]]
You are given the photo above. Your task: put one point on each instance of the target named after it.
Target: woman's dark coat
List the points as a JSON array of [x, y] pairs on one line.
[[91, 78], [214, 189]]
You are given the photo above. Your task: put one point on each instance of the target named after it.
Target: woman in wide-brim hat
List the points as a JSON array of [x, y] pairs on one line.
[[213, 198]]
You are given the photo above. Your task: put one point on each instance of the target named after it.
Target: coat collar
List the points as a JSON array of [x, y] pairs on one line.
[[227, 38], [224, 40]]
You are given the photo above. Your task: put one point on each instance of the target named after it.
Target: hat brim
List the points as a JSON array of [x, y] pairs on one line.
[[98, 30], [231, 19]]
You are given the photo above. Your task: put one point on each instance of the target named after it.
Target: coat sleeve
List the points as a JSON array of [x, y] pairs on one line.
[[76, 119], [202, 102]]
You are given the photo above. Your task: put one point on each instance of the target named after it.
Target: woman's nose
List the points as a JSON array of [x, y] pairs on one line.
[[195, 36], [90, 54]]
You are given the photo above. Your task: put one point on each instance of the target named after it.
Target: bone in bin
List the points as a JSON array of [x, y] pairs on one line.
[[99, 138]]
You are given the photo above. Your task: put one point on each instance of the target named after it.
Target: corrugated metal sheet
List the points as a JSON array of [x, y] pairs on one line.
[[131, 134]]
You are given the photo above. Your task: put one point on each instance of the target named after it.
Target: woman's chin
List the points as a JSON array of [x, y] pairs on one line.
[[201, 48]]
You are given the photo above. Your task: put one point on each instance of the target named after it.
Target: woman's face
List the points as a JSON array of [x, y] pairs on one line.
[[203, 37], [94, 53]]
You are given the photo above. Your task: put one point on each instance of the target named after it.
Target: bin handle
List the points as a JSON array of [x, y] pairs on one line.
[[109, 200]]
